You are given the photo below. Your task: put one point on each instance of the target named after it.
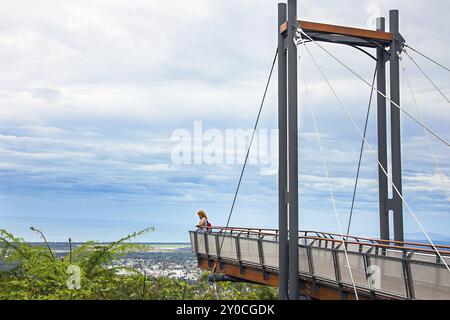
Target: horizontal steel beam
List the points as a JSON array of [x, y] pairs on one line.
[[321, 28]]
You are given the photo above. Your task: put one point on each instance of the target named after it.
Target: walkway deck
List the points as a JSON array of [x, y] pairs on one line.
[[381, 270]]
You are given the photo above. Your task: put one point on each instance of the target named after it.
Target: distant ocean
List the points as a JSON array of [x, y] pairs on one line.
[[65, 245], [160, 253]]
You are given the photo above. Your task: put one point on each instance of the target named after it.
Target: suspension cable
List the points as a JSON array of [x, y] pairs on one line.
[[427, 76], [426, 57], [427, 135], [247, 154], [300, 32], [327, 174], [361, 153], [372, 151]]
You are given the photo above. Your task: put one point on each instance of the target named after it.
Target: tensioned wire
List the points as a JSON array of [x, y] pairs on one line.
[[358, 171], [300, 31], [427, 57], [327, 174], [441, 175], [427, 76], [247, 155], [349, 116]]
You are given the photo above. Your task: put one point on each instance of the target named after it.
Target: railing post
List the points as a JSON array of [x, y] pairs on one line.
[[196, 242], [310, 260], [337, 270], [238, 255], [205, 237], [261, 258], [260, 252], [311, 264], [366, 261], [408, 276], [218, 249], [438, 274], [217, 245]]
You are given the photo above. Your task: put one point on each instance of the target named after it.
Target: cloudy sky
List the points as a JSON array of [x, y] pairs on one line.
[[92, 91]]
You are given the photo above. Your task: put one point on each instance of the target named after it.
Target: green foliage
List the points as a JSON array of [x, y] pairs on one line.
[[37, 275]]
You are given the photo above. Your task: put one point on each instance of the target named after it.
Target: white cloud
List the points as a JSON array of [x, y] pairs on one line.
[[90, 92]]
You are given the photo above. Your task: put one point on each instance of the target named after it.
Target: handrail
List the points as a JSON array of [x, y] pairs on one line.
[[418, 244], [382, 246], [375, 245], [403, 257], [385, 241]]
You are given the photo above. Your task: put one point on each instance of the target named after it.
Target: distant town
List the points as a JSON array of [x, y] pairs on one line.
[[173, 260], [164, 260]]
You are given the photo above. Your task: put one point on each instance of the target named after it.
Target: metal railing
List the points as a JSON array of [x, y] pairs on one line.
[[403, 270]]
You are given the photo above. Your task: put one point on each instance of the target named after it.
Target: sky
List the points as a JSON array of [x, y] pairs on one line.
[[92, 94]]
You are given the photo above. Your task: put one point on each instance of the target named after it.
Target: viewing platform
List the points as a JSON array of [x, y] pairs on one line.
[[381, 269]]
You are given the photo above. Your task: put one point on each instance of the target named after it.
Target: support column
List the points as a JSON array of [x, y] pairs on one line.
[[382, 137], [397, 204], [283, 255], [293, 152]]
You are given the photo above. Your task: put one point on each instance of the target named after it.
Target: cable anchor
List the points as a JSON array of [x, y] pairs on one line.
[[298, 39]]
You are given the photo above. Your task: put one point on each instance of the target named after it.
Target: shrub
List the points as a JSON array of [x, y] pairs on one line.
[[36, 274]]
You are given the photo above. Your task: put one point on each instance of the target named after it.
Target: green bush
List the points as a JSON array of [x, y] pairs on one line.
[[38, 275]]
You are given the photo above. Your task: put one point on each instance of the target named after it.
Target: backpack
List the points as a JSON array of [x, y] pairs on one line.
[[208, 226]]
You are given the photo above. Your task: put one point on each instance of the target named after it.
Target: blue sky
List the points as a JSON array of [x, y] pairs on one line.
[[91, 92]]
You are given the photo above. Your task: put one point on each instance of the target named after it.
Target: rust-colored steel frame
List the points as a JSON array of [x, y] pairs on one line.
[[373, 38], [309, 287], [252, 274]]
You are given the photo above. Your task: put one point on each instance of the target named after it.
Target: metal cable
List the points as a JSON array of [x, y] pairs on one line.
[[379, 92], [361, 153], [372, 151], [427, 76], [248, 154], [427, 135], [426, 57], [330, 186]]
